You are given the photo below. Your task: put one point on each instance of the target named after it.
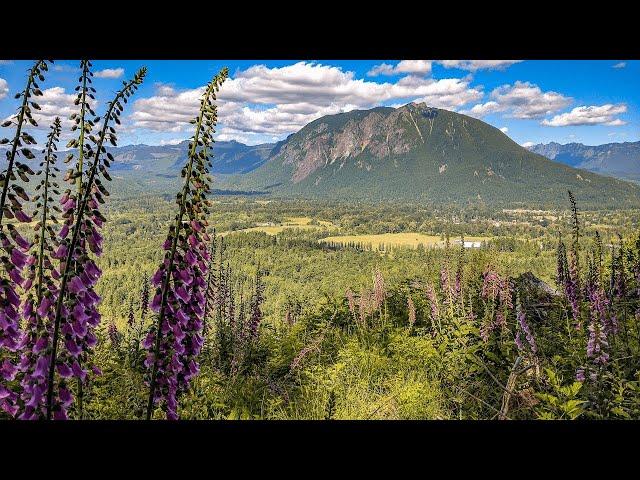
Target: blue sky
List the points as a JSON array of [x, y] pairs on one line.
[[591, 102]]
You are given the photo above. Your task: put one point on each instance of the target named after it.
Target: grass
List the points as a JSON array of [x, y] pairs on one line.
[[303, 223], [406, 239]]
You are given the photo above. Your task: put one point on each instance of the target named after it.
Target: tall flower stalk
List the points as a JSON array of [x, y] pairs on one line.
[[13, 244], [76, 314], [175, 341], [81, 122], [572, 284], [40, 283]]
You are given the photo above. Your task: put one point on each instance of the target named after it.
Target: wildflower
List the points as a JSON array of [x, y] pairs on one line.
[[412, 311], [180, 301], [351, 301], [523, 326], [114, 335], [433, 302], [314, 345], [379, 290]]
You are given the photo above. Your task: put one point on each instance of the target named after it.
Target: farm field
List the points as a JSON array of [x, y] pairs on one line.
[[385, 241]]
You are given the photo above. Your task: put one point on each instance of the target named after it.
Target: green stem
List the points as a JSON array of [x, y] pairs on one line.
[[44, 220], [14, 147], [72, 246], [85, 72], [174, 246]]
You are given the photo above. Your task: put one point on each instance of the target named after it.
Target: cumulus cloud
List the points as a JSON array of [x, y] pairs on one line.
[[168, 110], [173, 141], [528, 144], [404, 66], [475, 65], [55, 102], [273, 102], [521, 100], [620, 65], [589, 115], [504, 129], [110, 73], [4, 88]]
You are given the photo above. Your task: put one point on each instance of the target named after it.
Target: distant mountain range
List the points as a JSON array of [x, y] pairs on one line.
[[228, 157], [621, 160], [413, 153]]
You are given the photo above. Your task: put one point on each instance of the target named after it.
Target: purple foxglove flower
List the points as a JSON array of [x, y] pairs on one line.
[[65, 397], [69, 204], [21, 216], [182, 294], [20, 240], [61, 252], [18, 259], [73, 348], [64, 231], [78, 372], [8, 370], [40, 345], [15, 276], [42, 367], [155, 303], [45, 305], [64, 371], [76, 286]]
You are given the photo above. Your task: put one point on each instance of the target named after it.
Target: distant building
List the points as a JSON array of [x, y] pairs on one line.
[[469, 244]]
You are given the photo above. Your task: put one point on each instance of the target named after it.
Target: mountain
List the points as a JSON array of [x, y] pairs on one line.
[[419, 153], [620, 160], [228, 157]]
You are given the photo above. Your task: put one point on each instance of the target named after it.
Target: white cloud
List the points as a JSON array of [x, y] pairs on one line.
[[270, 103], [521, 100], [475, 65], [528, 144], [63, 67], [589, 115], [4, 88], [504, 129], [109, 73], [482, 109], [55, 102], [620, 65], [6, 62], [404, 66], [173, 141]]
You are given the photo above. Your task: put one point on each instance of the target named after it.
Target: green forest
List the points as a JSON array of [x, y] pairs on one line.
[[182, 302]]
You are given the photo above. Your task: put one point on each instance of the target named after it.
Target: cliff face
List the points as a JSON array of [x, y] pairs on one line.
[[318, 145]]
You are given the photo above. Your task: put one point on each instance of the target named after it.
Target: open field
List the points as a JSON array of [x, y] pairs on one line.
[[302, 223], [405, 239]]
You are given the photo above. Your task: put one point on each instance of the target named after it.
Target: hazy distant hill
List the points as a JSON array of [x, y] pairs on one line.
[[228, 157], [620, 160]]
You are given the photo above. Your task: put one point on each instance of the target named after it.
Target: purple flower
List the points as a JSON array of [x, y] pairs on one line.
[[523, 326], [21, 216], [18, 259]]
